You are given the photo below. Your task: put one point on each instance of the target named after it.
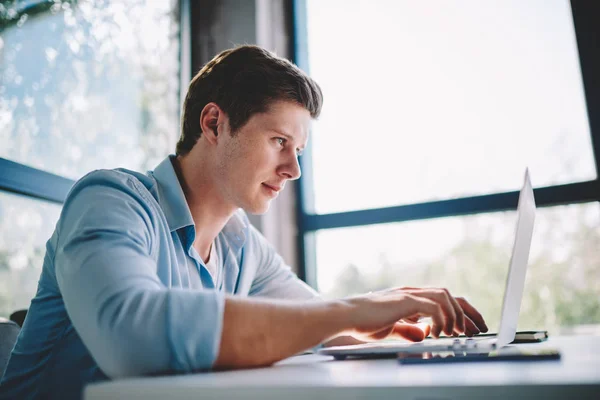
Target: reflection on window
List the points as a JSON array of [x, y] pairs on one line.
[[25, 227], [427, 102], [89, 84], [470, 256]]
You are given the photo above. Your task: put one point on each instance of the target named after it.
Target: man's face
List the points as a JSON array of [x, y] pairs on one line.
[[254, 165]]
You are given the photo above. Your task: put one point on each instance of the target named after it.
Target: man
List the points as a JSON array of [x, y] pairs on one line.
[[162, 273]]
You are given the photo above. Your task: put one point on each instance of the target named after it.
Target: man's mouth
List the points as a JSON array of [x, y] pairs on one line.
[[274, 188], [272, 191]]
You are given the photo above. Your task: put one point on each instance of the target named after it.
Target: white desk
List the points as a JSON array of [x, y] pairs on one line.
[[576, 376]]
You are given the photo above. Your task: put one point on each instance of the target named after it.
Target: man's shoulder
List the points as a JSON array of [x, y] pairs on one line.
[[128, 183], [111, 196], [115, 176]]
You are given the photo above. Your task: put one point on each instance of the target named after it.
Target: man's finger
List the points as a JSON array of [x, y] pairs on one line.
[[410, 332], [470, 327], [460, 316], [430, 308], [426, 328], [382, 334], [473, 314], [414, 319], [442, 297]]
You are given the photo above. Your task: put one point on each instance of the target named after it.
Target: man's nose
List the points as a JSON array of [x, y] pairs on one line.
[[291, 169]]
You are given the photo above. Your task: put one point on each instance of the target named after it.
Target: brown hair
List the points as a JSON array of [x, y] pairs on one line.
[[244, 81]]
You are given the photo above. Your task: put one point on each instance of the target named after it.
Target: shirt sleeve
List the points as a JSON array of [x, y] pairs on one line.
[[274, 278], [105, 263]]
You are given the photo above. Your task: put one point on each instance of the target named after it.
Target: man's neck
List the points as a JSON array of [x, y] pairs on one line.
[[208, 210]]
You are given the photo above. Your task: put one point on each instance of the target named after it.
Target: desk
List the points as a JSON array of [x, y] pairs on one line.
[[575, 376]]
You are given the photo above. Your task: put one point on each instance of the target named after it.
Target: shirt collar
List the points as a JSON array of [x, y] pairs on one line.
[[171, 197], [236, 229], [172, 200]]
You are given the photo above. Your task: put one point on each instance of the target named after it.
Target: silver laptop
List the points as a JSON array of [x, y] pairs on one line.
[[511, 305]]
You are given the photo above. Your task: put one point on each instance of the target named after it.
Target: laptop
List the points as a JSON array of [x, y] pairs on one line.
[[511, 305]]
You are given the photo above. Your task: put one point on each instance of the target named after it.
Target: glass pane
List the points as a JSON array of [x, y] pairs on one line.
[[89, 84], [25, 227], [470, 256], [434, 100]]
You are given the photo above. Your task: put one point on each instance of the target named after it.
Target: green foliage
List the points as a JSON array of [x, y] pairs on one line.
[[558, 294]]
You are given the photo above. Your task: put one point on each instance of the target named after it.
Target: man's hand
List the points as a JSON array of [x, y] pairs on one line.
[[378, 315], [474, 322], [259, 332]]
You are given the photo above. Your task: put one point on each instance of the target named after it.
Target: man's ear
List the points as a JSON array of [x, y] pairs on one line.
[[210, 119]]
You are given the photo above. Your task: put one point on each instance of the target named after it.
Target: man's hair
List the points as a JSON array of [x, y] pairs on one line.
[[244, 81]]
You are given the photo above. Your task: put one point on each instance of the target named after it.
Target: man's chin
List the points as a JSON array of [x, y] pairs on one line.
[[258, 209]]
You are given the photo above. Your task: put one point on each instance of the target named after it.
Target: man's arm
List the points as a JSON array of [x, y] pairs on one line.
[[105, 264], [260, 332]]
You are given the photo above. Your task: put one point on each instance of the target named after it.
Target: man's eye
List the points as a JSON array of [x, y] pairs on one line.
[[280, 141], [299, 152]]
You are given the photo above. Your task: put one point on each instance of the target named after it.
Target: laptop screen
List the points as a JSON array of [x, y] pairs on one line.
[[515, 281]]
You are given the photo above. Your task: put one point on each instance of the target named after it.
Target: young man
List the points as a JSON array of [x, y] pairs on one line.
[[162, 273]]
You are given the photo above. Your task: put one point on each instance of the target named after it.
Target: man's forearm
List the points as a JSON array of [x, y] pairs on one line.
[[260, 332]]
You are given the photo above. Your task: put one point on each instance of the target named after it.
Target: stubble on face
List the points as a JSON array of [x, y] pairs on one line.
[[249, 158], [236, 172]]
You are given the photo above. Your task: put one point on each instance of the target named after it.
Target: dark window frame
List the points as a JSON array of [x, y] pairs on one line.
[[587, 31]]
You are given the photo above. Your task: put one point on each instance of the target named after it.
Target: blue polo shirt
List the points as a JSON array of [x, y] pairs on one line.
[[116, 297]]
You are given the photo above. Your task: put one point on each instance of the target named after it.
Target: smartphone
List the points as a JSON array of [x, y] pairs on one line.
[[509, 353], [520, 337]]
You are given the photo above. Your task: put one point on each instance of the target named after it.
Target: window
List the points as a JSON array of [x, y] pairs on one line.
[[25, 226], [431, 114], [90, 84], [83, 85]]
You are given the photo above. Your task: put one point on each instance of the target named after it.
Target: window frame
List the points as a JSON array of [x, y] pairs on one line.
[[587, 31]]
